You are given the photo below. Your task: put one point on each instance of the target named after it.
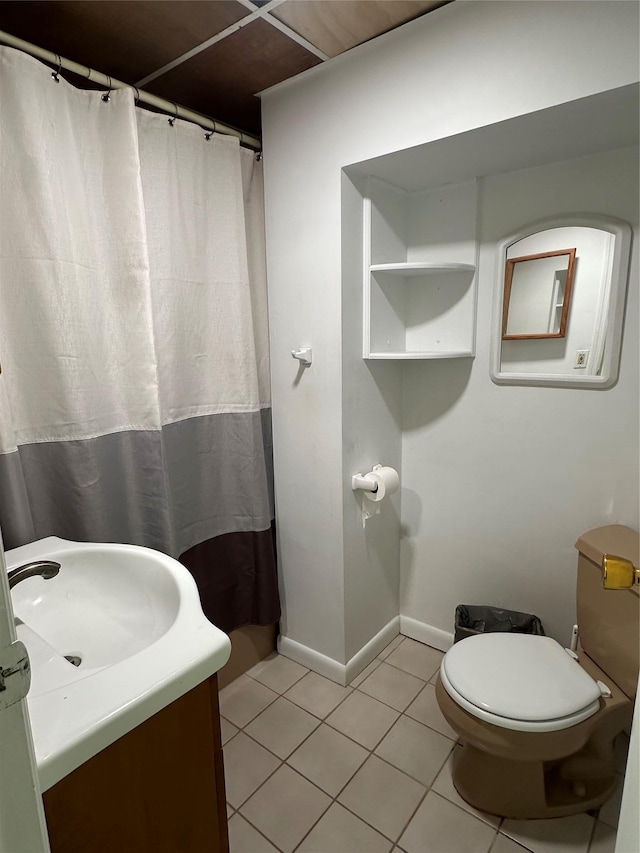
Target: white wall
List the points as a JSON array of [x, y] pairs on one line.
[[519, 473], [463, 66]]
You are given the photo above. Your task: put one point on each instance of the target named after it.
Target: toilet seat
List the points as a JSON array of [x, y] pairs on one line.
[[520, 682]]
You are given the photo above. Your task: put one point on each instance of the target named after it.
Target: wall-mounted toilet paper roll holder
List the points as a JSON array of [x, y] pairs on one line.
[[359, 481]]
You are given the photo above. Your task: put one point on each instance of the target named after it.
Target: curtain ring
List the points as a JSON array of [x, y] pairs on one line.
[[173, 118], [107, 95], [55, 74], [208, 134], [137, 97], [259, 156]]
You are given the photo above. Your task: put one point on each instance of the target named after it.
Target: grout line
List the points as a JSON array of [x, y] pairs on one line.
[[517, 843], [593, 832], [259, 831], [371, 751], [412, 674]]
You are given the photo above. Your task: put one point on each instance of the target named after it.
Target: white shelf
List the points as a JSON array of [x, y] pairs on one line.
[[419, 268], [418, 355], [418, 265]]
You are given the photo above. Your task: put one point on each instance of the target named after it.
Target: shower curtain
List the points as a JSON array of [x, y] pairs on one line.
[[134, 392]]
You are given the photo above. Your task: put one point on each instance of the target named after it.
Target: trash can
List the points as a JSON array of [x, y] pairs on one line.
[[474, 619]]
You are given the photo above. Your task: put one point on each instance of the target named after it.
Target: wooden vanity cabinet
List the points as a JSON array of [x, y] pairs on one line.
[[158, 789]]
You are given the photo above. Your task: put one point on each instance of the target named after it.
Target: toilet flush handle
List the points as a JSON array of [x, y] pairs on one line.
[[619, 573]]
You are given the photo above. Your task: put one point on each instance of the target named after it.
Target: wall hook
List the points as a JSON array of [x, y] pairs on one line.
[[303, 355]]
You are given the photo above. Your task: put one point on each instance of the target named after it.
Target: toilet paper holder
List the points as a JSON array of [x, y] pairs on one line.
[[359, 481]]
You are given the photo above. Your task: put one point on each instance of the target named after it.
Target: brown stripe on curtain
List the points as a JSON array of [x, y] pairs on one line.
[[236, 576]]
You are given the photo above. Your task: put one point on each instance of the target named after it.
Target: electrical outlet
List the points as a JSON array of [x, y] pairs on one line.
[[581, 358]]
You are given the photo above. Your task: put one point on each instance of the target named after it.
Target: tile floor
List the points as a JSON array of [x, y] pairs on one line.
[[314, 767]]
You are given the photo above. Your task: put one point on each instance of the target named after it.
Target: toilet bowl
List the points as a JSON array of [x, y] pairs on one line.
[[538, 722]]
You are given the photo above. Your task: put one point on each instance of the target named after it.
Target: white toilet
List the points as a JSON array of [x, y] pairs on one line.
[[538, 722]]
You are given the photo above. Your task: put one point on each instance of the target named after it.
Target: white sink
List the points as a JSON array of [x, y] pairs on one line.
[[108, 602], [131, 618]]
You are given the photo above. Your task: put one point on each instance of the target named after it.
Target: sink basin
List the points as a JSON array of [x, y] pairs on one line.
[[130, 620], [108, 602]]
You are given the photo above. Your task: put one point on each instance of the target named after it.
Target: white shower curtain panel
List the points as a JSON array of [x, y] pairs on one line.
[[134, 393]]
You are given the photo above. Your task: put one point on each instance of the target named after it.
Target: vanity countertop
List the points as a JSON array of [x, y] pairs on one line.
[[76, 712]]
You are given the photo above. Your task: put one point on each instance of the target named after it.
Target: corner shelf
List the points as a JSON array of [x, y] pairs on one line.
[[420, 268], [418, 304]]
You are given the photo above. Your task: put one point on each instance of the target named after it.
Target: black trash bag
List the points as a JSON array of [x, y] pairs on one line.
[[474, 619]]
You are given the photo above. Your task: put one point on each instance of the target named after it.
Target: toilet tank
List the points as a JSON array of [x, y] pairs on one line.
[[608, 620]]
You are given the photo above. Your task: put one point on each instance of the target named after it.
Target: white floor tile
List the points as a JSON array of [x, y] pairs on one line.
[[243, 699], [363, 719], [382, 796], [328, 759], [384, 654], [285, 808], [425, 709], [282, 727], [366, 672], [392, 686], [416, 658], [559, 835], [246, 766], [502, 844], [317, 694], [228, 730], [243, 838], [277, 672], [415, 749], [440, 826], [339, 831], [604, 839]]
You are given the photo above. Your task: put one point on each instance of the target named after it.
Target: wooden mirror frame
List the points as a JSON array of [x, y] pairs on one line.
[[508, 281]]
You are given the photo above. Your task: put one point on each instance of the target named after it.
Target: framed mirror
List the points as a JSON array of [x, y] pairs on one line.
[[537, 295], [559, 302]]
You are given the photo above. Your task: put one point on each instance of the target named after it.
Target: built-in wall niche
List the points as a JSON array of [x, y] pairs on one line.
[[419, 284]]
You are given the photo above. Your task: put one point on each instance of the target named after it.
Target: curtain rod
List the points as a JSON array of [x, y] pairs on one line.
[[108, 82]]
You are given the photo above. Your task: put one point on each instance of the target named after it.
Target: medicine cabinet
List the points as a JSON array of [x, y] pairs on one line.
[[585, 351], [419, 284]]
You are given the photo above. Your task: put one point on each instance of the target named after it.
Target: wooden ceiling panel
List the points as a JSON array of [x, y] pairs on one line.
[[125, 38], [335, 26], [222, 80]]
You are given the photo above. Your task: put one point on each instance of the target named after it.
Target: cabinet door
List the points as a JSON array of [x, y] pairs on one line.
[[159, 789]]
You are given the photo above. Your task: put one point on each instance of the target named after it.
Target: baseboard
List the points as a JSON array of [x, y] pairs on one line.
[[313, 660], [427, 634], [332, 669], [345, 673], [372, 649]]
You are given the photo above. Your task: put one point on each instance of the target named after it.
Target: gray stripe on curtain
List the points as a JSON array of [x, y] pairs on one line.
[[172, 489]]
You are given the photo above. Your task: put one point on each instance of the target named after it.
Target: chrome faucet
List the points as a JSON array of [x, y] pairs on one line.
[[46, 569]]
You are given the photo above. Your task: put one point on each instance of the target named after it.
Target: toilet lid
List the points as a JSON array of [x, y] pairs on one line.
[[520, 677]]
